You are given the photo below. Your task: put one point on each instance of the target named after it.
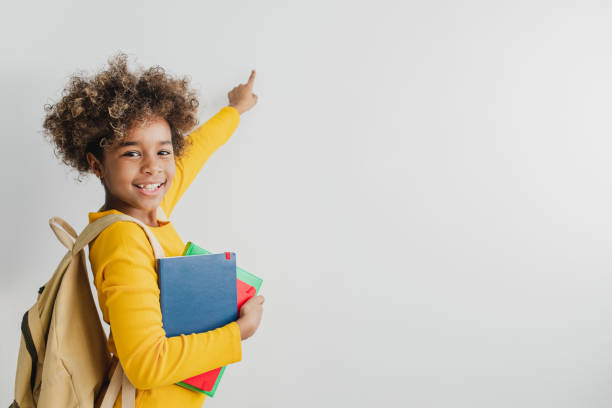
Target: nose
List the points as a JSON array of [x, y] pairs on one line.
[[151, 165]]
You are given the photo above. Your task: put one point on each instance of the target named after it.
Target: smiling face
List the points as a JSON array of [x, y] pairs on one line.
[[137, 173]]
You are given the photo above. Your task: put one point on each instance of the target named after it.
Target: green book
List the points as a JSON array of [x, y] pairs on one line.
[[246, 277], [247, 286]]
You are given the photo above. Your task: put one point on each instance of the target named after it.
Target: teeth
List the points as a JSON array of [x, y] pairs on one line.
[[149, 187]]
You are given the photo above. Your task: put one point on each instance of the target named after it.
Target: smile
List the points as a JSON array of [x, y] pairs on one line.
[[149, 188]]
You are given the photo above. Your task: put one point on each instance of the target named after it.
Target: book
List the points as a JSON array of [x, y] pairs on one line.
[[211, 291], [247, 286]]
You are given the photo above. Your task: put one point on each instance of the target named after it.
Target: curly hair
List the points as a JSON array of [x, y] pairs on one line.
[[98, 112]]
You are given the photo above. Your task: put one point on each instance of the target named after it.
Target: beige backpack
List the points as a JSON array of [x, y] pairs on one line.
[[63, 357]]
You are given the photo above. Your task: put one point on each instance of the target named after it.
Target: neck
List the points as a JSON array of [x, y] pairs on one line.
[[148, 217]]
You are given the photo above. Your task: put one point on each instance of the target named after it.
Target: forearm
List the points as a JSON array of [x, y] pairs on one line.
[[218, 129], [151, 361]]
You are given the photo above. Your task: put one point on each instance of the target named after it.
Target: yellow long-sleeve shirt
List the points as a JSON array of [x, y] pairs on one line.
[[124, 272]]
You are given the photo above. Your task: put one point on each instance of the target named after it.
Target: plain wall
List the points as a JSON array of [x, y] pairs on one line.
[[424, 188]]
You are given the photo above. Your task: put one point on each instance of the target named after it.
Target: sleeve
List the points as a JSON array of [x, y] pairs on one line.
[[201, 144], [125, 273]]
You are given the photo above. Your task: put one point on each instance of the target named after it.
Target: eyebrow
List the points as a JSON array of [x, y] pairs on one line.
[[130, 143]]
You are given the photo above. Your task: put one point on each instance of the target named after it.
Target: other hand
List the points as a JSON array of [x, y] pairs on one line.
[[250, 316]]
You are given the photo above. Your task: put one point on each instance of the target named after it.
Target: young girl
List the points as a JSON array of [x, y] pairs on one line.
[[128, 129]]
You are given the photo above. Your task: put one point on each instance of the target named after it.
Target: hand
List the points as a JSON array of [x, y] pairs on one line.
[[242, 97], [250, 316]]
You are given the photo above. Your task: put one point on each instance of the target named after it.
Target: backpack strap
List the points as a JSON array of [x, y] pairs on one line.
[[119, 380], [94, 229], [64, 238]]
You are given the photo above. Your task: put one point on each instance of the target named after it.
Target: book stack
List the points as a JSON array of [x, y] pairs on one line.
[[213, 285]]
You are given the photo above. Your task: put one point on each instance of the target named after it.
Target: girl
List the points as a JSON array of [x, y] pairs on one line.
[[128, 129]]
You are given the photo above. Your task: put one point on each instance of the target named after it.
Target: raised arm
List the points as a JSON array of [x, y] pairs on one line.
[[206, 139]]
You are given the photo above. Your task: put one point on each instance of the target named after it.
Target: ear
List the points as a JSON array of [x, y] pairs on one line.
[[94, 165]]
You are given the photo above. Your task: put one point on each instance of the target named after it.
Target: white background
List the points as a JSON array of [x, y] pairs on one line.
[[423, 186]]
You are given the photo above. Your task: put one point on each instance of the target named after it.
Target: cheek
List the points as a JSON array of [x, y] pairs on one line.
[[171, 171], [119, 177]]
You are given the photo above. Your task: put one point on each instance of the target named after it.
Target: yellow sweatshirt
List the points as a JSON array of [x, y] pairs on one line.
[[124, 272]]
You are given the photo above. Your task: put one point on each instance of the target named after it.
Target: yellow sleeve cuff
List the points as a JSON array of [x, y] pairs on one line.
[[237, 340], [233, 111]]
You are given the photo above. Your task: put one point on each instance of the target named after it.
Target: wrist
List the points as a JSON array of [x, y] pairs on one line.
[[245, 327], [240, 110]]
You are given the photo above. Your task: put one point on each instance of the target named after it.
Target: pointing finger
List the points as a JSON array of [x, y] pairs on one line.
[[251, 79]]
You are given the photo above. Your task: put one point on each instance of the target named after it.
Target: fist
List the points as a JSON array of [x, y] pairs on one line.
[[250, 316], [242, 97]]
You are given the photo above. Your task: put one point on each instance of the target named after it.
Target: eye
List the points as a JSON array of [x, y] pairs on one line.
[[130, 154], [165, 152]]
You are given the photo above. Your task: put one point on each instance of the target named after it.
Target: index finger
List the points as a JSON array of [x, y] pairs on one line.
[[251, 79]]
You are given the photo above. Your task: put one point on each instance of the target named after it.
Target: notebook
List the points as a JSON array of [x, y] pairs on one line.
[[197, 293], [247, 286]]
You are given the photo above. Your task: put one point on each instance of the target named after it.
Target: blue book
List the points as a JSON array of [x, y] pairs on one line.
[[197, 292]]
